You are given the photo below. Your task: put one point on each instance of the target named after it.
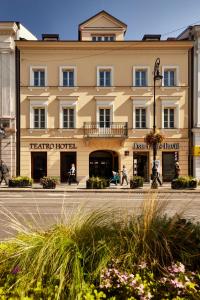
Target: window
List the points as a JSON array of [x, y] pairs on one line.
[[105, 78], [102, 38], [168, 117], [68, 77], [68, 118], [39, 117], [169, 77], [104, 118], [141, 78], [39, 78], [140, 118]]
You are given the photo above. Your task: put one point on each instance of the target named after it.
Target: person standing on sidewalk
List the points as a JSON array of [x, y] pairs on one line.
[[124, 175], [4, 172]]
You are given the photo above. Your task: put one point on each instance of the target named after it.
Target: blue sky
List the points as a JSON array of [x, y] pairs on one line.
[[63, 16]]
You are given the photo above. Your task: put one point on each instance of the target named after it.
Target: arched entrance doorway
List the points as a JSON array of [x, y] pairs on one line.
[[102, 163]]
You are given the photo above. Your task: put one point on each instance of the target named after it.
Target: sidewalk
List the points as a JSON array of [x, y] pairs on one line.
[[81, 187]]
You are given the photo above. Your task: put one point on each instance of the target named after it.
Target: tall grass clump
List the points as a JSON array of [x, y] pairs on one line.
[[61, 262]]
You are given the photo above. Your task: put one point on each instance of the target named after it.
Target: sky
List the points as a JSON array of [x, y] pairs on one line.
[[63, 16]]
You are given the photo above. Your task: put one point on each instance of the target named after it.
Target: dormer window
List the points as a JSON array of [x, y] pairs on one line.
[[103, 38]]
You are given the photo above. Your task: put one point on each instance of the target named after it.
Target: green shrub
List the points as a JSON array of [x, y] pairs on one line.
[[67, 260], [20, 181], [97, 183], [136, 182], [184, 182], [49, 182]]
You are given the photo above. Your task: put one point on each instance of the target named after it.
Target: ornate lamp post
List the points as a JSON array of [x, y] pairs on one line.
[[156, 76]]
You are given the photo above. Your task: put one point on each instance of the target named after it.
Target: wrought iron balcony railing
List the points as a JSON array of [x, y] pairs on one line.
[[107, 129]]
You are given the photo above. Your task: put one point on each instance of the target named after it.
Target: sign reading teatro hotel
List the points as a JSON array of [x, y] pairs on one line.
[[164, 146], [51, 146]]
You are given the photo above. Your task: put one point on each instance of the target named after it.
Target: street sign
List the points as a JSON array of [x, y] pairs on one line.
[[196, 151]]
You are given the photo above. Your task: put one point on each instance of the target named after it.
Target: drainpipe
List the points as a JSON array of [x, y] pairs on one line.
[[17, 78], [190, 108]]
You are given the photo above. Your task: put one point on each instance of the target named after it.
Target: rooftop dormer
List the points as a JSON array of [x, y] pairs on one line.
[[102, 28]]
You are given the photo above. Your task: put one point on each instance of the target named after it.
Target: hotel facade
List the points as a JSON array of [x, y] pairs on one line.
[[90, 102]]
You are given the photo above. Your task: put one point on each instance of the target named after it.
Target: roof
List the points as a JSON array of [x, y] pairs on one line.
[[106, 13]]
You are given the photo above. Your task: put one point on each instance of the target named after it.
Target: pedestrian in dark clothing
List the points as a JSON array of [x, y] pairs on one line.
[[124, 175], [4, 172], [177, 170]]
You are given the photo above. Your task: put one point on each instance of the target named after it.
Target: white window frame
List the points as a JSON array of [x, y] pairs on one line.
[[103, 38], [137, 68], [109, 68], [168, 117], [38, 104], [140, 116], [35, 68], [67, 102], [176, 69], [141, 103], [67, 68], [175, 105], [105, 102]]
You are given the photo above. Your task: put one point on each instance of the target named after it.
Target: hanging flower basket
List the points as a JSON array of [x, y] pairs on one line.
[[153, 138], [9, 130]]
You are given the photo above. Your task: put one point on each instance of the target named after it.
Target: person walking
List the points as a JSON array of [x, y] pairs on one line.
[[115, 177], [158, 176], [4, 172], [124, 175], [72, 174]]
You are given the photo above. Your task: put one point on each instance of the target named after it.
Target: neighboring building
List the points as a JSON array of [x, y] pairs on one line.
[[9, 32], [192, 33], [90, 102]]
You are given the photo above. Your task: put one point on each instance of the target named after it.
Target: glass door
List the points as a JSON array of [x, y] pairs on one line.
[[168, 166], [38, 165]]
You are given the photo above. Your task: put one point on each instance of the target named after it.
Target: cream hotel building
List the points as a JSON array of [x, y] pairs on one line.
[[90, 102]]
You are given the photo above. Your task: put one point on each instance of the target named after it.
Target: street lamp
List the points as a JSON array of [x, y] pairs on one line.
[[156, 76]]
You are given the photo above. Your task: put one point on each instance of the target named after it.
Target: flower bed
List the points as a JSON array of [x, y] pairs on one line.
[[136, 182], [97, 183], [184, 182], [48, 182], [20, 181]]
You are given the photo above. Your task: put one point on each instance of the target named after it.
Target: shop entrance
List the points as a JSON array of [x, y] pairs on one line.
[[168, 165], [38, 165], [102, 163], [66, 161], [141, 164]]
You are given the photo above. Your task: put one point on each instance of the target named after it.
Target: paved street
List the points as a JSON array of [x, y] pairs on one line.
[[46, 208]]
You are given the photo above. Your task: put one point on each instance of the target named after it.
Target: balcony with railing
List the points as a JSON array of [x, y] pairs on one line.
[[107, 129]]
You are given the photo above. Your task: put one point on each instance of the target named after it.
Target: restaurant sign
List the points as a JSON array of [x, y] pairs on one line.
[[51, 146], [164, 146]]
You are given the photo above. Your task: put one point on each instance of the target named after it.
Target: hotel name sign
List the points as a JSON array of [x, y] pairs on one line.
[[164, 146], [52, 146]]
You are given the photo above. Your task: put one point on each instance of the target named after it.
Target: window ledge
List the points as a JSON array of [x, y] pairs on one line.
[[61, 88], [177, 88], [38, 88], [31, 130], [112, 88], [148, 88]]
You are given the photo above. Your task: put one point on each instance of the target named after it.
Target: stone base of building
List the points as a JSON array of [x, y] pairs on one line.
[[99, 157]]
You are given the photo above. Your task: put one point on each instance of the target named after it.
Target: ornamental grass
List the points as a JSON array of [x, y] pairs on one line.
[[68, 260]]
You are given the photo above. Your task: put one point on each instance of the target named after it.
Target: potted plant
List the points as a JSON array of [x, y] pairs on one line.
[[184, 182], [136, 182], [20, 181], [48, 182], [97, 183]]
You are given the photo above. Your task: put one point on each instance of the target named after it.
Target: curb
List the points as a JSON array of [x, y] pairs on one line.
[[107, 191]]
